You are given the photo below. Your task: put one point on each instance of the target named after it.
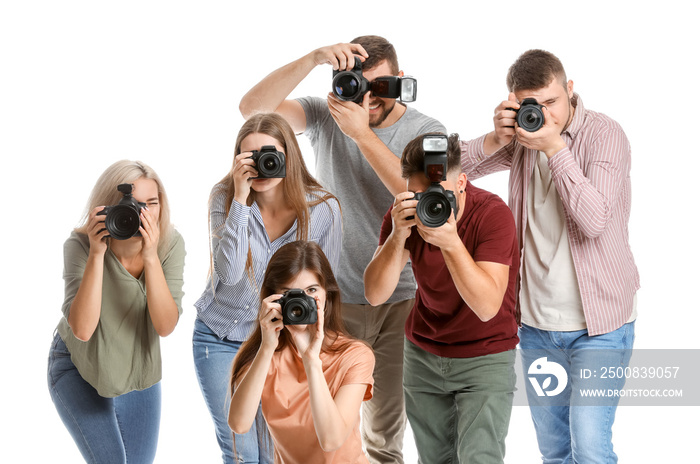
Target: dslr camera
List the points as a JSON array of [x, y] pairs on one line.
[[530, 116], [435, 204], [123, 219], [269, 162], [352, 85], [298, 307]]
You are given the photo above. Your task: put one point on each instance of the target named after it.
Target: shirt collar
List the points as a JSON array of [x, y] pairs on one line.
[[579, 117]]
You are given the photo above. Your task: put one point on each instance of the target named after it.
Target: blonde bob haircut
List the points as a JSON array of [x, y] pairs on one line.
[[105, 193]]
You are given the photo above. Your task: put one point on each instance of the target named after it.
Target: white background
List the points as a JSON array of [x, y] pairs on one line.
[[83, 84]]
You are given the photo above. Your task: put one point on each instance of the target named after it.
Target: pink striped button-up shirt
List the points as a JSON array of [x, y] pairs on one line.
[[592, 176]]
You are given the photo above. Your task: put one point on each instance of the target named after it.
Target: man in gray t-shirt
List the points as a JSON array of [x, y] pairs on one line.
[[357, 149]]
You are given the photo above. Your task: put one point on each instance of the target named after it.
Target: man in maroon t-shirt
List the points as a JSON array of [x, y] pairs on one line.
[[462, 332]]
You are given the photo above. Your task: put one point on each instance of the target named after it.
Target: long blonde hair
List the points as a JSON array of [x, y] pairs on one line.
[[297, 186], [105, 193]]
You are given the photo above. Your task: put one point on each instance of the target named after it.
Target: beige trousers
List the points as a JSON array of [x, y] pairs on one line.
[[384, 416]]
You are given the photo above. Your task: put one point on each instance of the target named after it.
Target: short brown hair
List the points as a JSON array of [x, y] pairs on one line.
[[378, 49], [534, 70], [413, 155]]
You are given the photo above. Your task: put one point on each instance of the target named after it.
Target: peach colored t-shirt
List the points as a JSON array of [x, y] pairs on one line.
[[286, 404]]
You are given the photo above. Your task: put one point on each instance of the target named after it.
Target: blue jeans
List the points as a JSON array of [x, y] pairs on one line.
[[213, 359], [576, 432], [107, 430]]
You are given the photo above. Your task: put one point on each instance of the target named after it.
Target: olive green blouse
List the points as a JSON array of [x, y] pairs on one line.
[[123, 353]]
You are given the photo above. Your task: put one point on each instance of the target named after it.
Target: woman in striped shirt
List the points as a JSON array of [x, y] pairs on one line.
[[250, 218]]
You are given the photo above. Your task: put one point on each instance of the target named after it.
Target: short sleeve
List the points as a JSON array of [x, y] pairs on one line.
[[173, 268], [360, 360], [496, 239], [387, 227], [75, 254], [317, 113]]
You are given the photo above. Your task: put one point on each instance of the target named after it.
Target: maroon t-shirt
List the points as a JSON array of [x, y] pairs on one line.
[[441, 322]]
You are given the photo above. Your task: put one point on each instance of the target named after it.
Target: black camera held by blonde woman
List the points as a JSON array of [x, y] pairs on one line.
[[269, 162], [298, 307], [123, 220], [352, 85], [435, 204]]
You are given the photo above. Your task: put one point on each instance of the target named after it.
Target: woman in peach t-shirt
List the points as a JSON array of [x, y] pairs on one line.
[[311, 378]]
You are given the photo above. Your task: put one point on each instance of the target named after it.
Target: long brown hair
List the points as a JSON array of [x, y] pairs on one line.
[[298, 185], [287, 263]]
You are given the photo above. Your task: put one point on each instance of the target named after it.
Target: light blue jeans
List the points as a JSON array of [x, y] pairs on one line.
[[107, 430], [213, 359], [575, 429]]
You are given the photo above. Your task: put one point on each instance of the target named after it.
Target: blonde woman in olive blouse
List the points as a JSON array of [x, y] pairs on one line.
[[121, 296]]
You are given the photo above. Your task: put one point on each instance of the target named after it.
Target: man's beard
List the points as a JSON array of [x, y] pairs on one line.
[[379, 118]]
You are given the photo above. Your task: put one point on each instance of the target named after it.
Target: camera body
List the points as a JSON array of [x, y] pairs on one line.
[[352, 85], [435, 204], [530, 116], [123, 219], [269, 162], [298, 308]]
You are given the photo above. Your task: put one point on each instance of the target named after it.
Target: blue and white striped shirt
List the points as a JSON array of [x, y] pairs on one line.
[[229, 307]]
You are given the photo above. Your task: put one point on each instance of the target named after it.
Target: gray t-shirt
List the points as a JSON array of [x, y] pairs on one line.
[[364, 200]]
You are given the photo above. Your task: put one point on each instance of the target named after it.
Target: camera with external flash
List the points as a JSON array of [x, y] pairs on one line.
[[123, 219], [435, 204], [269, 162], [298, 308], [352, 85], [530, 116]]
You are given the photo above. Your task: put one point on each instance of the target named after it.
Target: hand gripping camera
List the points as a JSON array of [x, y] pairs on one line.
[[435, 204], [123, 219], [530, 116], [269, 162], [352, 85], [298, 308]]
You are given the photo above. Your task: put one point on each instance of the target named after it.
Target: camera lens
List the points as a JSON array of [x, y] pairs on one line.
[[346, 86], [433, 209], [530, 118], [269, 165], [122, 222], [296, 311], [298, 308]]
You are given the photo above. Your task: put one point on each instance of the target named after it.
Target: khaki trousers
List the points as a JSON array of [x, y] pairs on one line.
[[459, 408], [384, 416]]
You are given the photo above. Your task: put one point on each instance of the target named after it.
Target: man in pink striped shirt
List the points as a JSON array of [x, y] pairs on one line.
[[569, 191]]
